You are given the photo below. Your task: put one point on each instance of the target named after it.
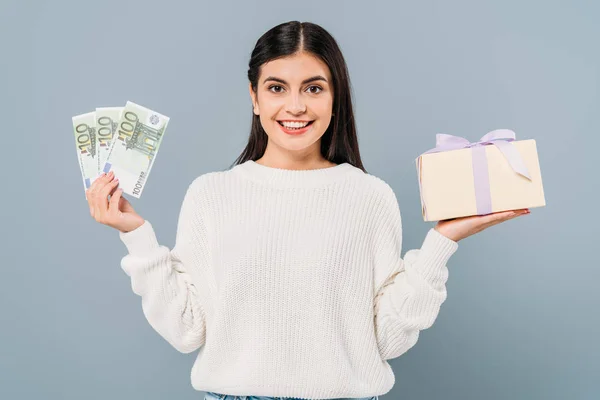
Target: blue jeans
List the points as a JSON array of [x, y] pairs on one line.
[[218, 396]]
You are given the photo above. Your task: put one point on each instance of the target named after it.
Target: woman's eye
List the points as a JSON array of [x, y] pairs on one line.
[[310, 87]]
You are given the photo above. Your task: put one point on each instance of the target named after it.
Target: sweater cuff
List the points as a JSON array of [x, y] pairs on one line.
[[140, 240], [434, 255]]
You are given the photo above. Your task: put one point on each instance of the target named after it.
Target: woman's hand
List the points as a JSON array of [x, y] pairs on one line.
[[116, 213], [460, 228]]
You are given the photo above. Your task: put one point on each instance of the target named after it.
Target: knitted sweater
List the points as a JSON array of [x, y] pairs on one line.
[[289, 282]]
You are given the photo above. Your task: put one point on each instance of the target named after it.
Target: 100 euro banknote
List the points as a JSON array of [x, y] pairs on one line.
[[134, 147], [107, 119], [84, 126]]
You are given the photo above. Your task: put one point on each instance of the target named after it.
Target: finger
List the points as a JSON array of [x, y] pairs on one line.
[[98, 183], [521, 211], [103, 181], [88, 194], [89, 200], [109, 187], [95, 202], [125, 205], [490, 220], [108, 190], [507, 215], [102, 199], [496, 217], [94, 184], [91, 196], [113, 204]]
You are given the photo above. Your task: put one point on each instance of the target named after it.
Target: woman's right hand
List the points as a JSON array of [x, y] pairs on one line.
[[116, 212]]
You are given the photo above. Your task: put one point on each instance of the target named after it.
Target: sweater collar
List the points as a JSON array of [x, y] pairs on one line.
[[293, 177]]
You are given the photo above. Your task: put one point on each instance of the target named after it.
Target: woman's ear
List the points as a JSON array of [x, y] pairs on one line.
[[255, 108]]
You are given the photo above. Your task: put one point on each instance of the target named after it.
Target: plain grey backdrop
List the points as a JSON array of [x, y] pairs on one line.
[[521, 320]]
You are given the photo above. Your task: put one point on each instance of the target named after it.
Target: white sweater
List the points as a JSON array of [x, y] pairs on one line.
[[289, 282]]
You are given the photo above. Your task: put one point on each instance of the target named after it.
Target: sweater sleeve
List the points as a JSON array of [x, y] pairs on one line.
[[161, 277], [408, 292]]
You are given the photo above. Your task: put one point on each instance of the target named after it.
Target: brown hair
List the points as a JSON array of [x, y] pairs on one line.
[[339, 143]]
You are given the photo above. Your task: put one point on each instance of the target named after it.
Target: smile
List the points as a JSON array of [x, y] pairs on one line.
[[295, 128], [295, 125]]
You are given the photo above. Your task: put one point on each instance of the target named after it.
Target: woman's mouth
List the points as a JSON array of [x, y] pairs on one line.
[[295, 128]]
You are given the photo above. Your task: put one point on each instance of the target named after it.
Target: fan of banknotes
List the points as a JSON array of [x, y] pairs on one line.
[[122, 139]]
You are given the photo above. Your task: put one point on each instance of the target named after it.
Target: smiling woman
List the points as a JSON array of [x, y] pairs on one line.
[[300, 92], [295, 112], [286, 271]]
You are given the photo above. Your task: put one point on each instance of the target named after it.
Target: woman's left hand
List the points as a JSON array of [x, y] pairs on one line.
[[459, 228]]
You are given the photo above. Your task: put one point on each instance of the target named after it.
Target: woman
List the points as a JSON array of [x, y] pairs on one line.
[[286, 273]]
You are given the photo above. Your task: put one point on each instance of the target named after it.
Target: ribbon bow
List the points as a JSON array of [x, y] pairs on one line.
[[501, 138]]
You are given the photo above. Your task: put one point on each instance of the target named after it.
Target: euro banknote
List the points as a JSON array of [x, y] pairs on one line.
[[134, 147], [84, 126], [107, 119]]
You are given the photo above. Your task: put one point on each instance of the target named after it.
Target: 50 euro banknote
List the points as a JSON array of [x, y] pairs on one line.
[[134, 147]]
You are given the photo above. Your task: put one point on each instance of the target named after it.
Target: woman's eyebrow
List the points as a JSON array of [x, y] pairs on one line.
[[312, 79]]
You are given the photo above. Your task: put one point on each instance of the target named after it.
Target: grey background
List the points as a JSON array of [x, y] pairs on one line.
[[521, 319]]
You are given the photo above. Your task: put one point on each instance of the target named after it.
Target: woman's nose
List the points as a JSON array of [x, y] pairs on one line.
[[296, 105]]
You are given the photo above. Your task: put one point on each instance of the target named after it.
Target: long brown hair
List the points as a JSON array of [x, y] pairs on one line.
[[339, 143]]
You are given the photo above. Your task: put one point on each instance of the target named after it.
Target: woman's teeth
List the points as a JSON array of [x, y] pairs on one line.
[[294, 125]]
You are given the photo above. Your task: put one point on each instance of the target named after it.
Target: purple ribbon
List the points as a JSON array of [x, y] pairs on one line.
[[501, 138]]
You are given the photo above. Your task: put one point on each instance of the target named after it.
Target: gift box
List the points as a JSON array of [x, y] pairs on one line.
[[458, 178]]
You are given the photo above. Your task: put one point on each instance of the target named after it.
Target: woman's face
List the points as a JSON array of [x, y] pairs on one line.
[[294, 88]]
